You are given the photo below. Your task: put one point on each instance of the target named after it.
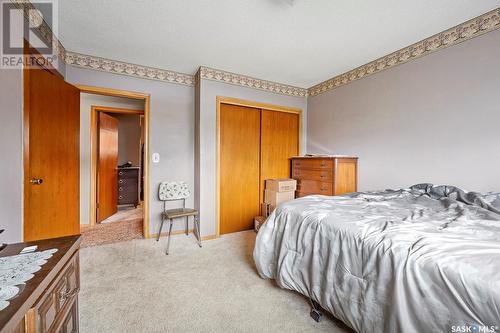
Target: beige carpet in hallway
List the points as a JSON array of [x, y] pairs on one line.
[[125, 214], [134, 287]]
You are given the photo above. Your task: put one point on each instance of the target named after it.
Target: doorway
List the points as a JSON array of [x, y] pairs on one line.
[[118, 157], [118, 188]]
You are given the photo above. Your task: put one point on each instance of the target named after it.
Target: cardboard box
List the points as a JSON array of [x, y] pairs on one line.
[[275, 198], [258, 221], [281, 185]]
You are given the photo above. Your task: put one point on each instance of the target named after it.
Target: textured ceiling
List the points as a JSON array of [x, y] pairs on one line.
[[296, 42]]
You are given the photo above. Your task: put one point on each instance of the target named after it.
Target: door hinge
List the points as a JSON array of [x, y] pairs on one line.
[[97, 205]]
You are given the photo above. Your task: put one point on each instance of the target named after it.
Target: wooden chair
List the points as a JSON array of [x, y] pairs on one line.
[[176, 191]]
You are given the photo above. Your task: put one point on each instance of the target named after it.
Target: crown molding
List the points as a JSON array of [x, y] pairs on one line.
[[460, 33], [124, 68], [250, 82]]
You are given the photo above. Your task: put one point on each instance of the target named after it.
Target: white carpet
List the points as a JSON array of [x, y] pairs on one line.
[[134, 287]]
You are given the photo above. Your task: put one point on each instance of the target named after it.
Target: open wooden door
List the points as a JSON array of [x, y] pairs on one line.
[[51, 155], [107, 164]]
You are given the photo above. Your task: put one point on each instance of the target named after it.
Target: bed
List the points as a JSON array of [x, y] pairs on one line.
[[423, 259]]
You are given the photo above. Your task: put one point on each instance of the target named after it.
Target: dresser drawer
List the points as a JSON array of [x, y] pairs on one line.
[[308, 174], [127, 190], [127, 174], [124, 181], [50, 310], [313, 163], [314, 187]]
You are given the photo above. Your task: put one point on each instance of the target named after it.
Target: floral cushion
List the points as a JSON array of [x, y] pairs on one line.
[[173, 191]]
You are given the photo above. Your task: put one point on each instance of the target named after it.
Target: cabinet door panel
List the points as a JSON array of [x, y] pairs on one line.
[[346, 176]]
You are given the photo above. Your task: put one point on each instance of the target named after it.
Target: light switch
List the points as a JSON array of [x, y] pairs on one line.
[[156, 158]]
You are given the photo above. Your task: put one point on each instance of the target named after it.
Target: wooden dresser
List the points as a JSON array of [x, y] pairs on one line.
[[128, 186], [48, 302], [327, 175]]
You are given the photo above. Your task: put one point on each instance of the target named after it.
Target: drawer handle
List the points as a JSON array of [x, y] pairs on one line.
[[120, 189], [120, 181], [64, 295], [322, 176], [120, 173], [323, 165], [324, 189], [120, 197]]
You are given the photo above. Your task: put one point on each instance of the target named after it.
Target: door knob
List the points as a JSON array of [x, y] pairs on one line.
[[36, 181]]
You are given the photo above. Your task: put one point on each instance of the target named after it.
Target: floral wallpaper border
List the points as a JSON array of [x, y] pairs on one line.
[[482, 24], [462, 32], [250, 82], [124, 68]]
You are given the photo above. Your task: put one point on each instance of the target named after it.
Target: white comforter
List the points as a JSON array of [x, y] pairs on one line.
[[392, 261]]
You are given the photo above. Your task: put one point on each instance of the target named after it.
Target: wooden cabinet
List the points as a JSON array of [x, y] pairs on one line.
[[128, 186], [331, 175], [49, 301], [54, 308]]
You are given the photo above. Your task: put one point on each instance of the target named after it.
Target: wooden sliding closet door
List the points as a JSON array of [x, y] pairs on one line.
[[239, 167], [279, 142]]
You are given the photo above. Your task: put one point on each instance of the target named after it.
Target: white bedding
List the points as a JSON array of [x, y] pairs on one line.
[[420, 260]]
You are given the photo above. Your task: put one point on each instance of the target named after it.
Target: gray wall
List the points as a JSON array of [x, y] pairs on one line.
[[206, 139], [129, 139], [435, 119], [86, 102], [171, 128], [11, 149]]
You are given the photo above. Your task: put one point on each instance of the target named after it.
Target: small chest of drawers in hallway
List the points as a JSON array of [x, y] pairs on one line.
[[128, 186]]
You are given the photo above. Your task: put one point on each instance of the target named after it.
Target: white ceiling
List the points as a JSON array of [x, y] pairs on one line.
[[297, 42]]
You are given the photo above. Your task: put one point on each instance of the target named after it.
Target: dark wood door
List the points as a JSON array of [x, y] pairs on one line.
[[52, 156], [239, 167], [107, 164]]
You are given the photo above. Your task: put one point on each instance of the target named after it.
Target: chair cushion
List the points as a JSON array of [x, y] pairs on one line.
[[179, 212], [173, 191]]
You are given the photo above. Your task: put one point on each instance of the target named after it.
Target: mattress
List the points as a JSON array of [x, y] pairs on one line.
[[423, 259]]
